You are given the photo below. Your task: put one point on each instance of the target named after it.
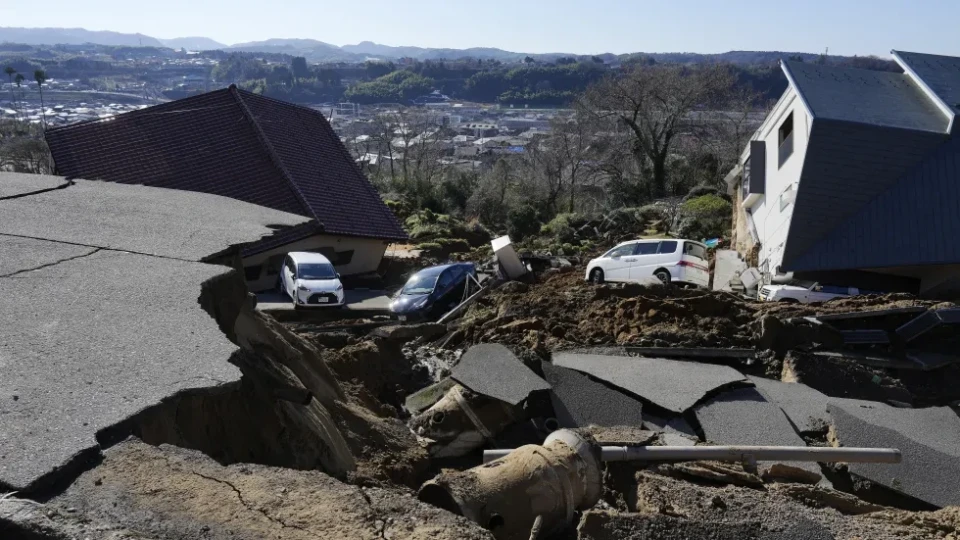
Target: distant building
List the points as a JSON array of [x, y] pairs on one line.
[[248, 147]]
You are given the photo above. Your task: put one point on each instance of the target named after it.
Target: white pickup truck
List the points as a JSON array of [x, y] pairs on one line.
[[803, 295]]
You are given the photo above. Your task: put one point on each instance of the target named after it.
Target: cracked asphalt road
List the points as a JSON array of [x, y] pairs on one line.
[[101, 284]]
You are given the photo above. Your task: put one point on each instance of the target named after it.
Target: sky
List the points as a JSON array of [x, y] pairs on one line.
[[534, 26]]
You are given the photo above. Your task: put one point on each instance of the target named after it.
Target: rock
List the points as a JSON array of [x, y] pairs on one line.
[[513, 287], [408, 332]]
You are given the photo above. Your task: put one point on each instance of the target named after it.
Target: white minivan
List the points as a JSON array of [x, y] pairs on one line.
[[310, 280], [669, 260]]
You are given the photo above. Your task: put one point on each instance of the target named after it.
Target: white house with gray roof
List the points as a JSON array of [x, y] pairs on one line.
[[854, 177]]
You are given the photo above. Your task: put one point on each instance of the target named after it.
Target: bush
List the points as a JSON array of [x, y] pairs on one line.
[[563, 227], [522, 222], [400, 208], [651, 212], [453, 245], [707, 216]]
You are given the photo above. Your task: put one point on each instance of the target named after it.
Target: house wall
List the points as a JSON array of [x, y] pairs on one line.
[[772, 222], [261, 269]]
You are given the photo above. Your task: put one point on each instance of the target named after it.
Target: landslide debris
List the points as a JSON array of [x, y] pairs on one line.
[[169, 492]]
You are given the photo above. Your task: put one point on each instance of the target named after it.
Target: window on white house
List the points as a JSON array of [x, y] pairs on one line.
[[785, 139]]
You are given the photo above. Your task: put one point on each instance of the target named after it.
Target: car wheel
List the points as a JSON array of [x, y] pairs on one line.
[[596, 276], [663, 276]]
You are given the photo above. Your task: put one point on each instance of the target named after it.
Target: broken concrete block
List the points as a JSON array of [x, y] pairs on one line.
[[670, 384], [579, 401], [424, 399], [492, 370], [929, 440]]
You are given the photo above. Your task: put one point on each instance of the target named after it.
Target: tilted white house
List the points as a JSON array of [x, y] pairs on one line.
[[854, 178]]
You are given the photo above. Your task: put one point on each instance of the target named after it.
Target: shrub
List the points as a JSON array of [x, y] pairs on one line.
[[563, 227], [453, 245], [707, 216], [522, 222], [651, 212]]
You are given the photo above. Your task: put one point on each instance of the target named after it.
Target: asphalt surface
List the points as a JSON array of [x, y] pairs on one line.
[[93, 333], [152, 221], [492, 370], [579, 401], [805, 407], [20, 184], [671, 384], [929, 440], [355, 299], [744, 417]]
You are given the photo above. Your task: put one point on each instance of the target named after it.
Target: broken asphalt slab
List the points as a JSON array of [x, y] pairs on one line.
[[579, 401], [168, 492], [93, 341], [671, 384], [743, 417], [929, 440], [152, 221], [97, 334], [805, 407], [492, 370], [599, 525]]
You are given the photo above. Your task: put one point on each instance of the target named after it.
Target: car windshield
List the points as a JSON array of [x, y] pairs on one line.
[[420, 284], [316, 271]]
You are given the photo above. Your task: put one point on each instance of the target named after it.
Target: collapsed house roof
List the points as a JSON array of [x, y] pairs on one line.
[[878, 140], [106, 279], [236, 144]]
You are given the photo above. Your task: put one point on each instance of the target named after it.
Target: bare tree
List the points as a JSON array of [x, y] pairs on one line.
[[412, 140], [657, 104], [561, 160]]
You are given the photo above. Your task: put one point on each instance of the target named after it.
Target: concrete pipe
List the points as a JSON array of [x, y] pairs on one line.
[[507, 496]]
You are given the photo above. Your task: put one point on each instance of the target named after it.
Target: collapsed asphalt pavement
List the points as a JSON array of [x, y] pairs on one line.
[[142, 395]]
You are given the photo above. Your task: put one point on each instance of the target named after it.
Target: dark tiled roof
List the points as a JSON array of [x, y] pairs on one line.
[[940, 73], [915, 222], [869, 97], [236, 144], [846, 166]]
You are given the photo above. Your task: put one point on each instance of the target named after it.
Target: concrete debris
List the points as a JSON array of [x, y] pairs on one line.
[[675, 425], [714, 471], [671, 384], [599, 525], [425, 398], [928, 439], [463, 421], [744, 417], [408, 332], [492, 370], [823, 497], [579, 401], [507, 496]]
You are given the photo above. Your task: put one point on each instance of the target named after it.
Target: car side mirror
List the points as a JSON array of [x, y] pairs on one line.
[[338, 275]]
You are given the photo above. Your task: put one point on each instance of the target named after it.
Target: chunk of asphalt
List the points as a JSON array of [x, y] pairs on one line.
[[929, 440], [601, 525], [671, 384], [805, 407], [579, 401], [492, 370], [675, 425], [93, 341], [743, 417]]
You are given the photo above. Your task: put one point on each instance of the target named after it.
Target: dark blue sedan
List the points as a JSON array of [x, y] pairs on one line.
[[433, 291]]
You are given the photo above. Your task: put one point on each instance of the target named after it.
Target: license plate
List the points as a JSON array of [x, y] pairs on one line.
[[323, 300], [402, 318]]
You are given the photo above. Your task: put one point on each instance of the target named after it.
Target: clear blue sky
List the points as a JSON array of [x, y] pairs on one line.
[[577, 26]]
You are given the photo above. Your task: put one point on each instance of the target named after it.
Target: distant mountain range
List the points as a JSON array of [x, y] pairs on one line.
[[318, 51]]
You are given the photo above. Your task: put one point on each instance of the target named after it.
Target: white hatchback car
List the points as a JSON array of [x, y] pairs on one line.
[[670, 261], [310, 280]]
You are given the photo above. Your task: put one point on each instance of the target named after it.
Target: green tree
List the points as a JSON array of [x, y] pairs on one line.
[[41, 77], [299, 67]]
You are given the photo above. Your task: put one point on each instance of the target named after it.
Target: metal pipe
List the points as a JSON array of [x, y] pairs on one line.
[[736, 453]]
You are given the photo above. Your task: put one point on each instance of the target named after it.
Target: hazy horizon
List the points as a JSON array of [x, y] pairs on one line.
[[537, 26]]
